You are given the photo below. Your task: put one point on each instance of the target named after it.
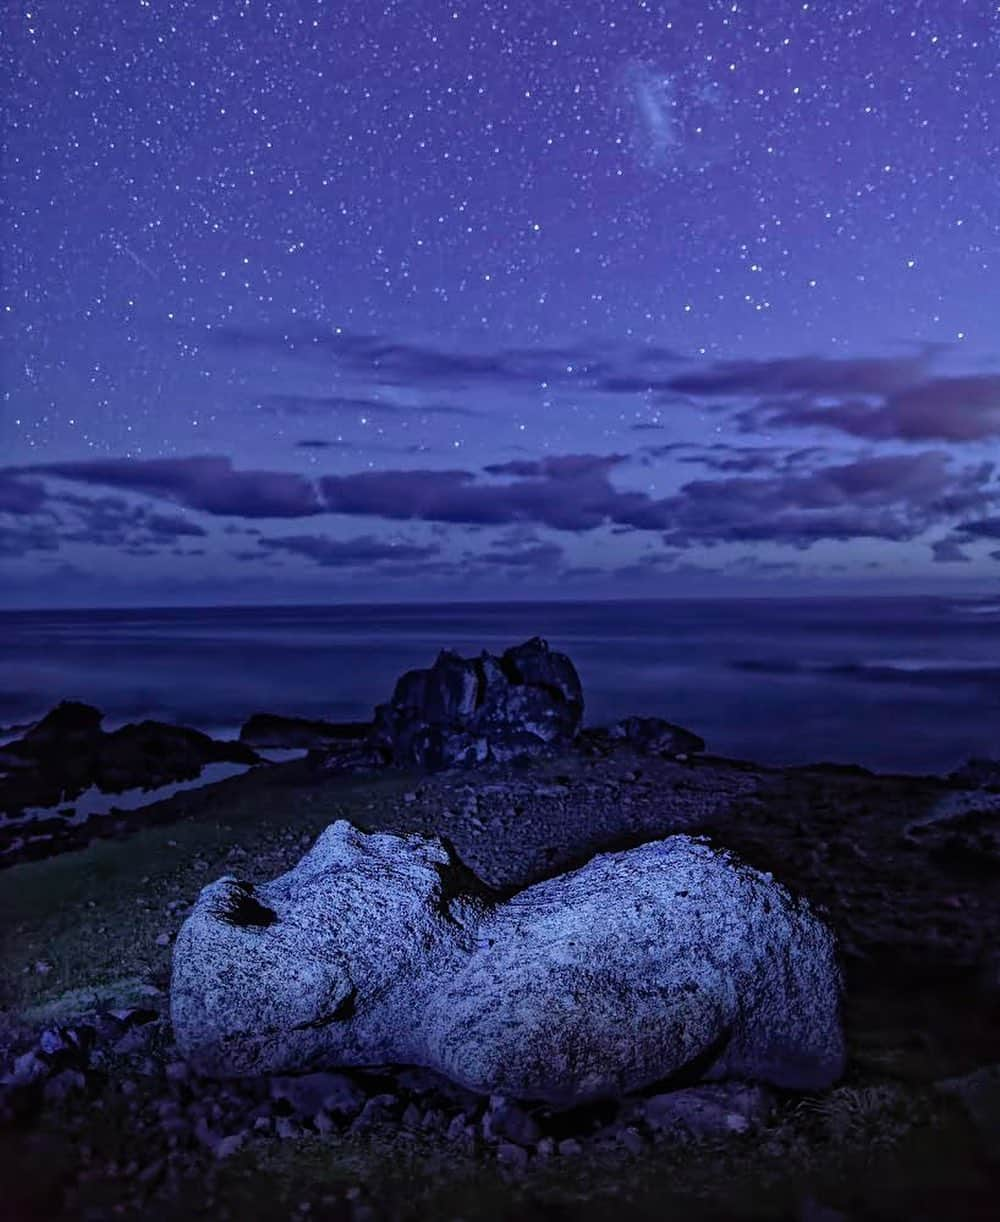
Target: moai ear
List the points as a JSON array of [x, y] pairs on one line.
[[237, 905]]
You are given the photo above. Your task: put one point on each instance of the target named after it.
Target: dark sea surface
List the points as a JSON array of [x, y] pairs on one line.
[[895, 684]]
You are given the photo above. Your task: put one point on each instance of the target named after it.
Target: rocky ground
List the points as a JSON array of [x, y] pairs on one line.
[[102, 1119]]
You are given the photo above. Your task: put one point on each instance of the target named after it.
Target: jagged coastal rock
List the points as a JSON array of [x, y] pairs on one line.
[[67, 752], [467, 710], [383, 949], [273, 730], [654, 736]]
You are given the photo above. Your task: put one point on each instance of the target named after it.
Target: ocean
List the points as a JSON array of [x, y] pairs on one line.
[[894, 684]]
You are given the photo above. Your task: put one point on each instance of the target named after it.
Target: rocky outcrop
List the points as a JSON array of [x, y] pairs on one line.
[[272, 730], [467, 710], [67, 752], [654, 736], [382, 949]]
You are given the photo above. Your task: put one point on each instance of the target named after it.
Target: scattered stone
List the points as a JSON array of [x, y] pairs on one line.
[[375, 1111], [631, 1140], [504, 1119], [514, 1157], [228, 1146], [310, 1093], [708, 1111]]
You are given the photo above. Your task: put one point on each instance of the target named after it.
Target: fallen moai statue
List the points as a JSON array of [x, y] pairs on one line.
[[380, 949]]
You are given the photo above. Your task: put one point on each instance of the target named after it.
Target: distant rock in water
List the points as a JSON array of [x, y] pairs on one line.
[[467, 710], [654, 736], [68, 722], [383, 949], [67, 752], [272, 730]]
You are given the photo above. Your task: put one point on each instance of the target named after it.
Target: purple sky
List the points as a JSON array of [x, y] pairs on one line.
[[315, 301]]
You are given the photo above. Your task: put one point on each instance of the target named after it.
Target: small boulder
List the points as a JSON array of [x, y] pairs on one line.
[[708, 1111], [310, 1093]]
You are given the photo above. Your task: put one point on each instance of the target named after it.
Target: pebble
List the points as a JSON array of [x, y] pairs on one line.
[[631, 1140], [229, 1145], [504, 1119], [512, 1156]]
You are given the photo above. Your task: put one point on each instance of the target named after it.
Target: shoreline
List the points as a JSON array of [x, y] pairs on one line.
[[902, 868], [921, 1008]]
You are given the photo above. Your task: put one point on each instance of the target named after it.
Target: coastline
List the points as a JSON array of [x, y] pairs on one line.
[[910, 898]]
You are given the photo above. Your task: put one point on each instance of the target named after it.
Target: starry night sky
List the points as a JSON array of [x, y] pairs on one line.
[[351, 301]]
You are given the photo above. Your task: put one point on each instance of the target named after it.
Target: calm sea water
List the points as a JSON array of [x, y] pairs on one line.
[[905, 684]]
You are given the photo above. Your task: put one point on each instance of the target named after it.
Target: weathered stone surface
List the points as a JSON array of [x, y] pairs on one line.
[[382, 949], [467, 710]]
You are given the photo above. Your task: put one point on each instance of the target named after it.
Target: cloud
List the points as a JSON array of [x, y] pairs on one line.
[[19, 496], [891, 497], [780, 497], [19, 540], [348, 553], [575, 496], [565, 466], [948, 551], [205, 483], [725, 457], [877, 399], [542, 557], [984, 528], [394, 362], [369, 359], [338, 405], [312, 443], [808, 374]]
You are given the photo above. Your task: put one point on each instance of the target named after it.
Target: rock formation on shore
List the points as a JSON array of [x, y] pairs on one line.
[[67, 752], [264, 730], [381, 949], [467, 710]]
